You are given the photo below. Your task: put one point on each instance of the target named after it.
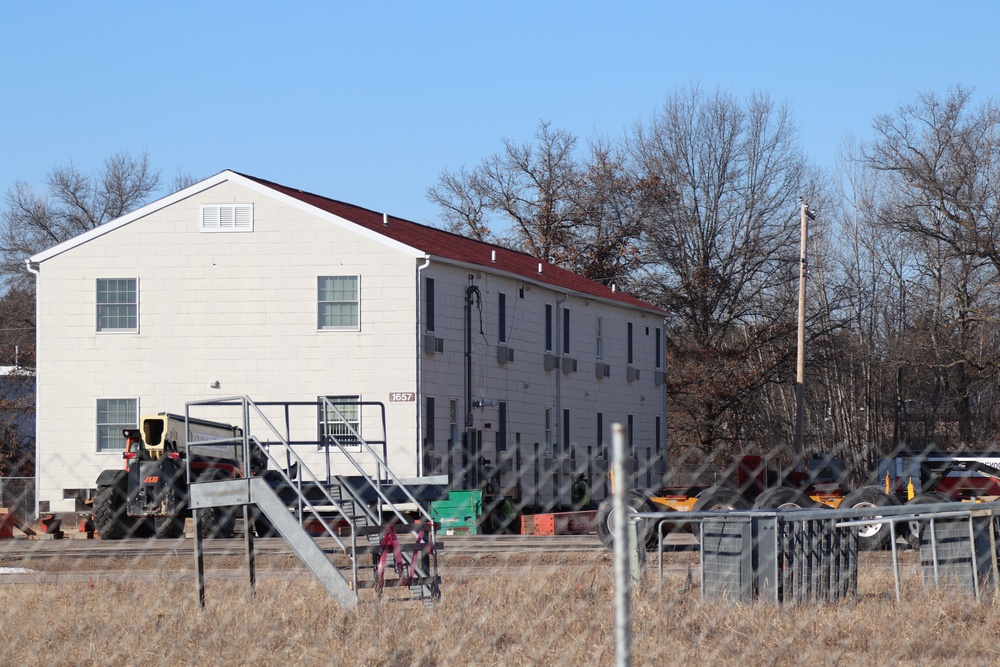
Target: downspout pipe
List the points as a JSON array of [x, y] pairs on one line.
[[420, 364], [34, 269]]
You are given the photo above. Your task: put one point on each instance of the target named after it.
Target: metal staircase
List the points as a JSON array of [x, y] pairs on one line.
[[379, 520]]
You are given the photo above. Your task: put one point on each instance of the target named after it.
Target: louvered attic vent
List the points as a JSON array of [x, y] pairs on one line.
[[227, 217]]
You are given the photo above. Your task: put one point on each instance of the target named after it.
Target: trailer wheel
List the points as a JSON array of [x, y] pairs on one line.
[[720, 498], [604, 520], [915, 529], [876, 536], [110, 519], [782, 498], [169, 526]]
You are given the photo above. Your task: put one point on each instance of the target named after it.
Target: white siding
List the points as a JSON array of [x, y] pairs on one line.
[[528, 389], [241, 309], [237, 308]]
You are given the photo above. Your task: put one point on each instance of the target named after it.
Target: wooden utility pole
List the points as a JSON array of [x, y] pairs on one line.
[[800, 371]]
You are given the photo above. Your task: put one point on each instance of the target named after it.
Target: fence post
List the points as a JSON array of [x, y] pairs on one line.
[[623, 612]]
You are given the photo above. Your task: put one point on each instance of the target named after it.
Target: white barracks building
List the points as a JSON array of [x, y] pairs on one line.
[[238, 286]]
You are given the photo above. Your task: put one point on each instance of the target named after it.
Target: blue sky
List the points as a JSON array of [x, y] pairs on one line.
[[369, 102]]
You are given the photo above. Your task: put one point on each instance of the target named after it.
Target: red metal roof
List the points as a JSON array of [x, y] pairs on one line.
[[449, 246]]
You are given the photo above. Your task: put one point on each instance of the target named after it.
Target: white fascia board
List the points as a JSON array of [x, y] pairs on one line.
[[549, 286], [152, 207], [324, 215]]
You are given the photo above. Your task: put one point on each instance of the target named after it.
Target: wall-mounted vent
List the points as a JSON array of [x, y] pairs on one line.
[[659, 377], [631, 373], [227, 217], [550, 361], [505, 355], [433, 344], [602, 370], [568, 365]]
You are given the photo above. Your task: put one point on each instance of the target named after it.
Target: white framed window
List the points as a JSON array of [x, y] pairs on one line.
[[118, 304], [338, 301], [226, 217], [113, 415], [548, 431], [339, 420], [600, 337]]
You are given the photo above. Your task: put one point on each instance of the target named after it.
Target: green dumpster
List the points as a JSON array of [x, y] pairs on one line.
[[460, 513]]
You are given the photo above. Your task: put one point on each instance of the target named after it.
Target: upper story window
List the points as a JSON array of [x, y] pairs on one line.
[[629, 342], [227, 217], [113, 415], [502, 318], [659, 348], [339, 303], [600, 337], [565, 331], [429, 303], [118, 304], [548, 328]]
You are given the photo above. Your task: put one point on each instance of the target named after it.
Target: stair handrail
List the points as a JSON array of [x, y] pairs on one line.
[[377, 483], [246, 402], [380, 463], [248, 405]]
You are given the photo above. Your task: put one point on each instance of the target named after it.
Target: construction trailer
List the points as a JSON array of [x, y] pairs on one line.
[[916, 478]]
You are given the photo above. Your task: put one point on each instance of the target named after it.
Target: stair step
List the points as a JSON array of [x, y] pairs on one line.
[[401, 528], [416, 582], [376, 549]]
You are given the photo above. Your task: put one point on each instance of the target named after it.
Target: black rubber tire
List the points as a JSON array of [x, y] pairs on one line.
[[874, 537], [783, 497], [217, 522], [914, 529], [602, 526], [720, 498], [169, 526], [262, 525], [637, 502], [110, 519]]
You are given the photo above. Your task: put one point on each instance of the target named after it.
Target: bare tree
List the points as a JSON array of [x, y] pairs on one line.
[[542, 197], [721, 180], [941, 159], [17, 413], [73, 204]]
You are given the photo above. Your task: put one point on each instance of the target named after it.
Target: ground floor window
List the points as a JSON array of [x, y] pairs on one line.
[[113, 415], [339, 420]]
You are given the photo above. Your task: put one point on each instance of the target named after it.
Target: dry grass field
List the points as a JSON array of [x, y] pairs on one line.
[[546, 609]]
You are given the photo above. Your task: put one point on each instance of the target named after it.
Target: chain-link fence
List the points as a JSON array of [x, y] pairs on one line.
[[884, 577], [17, 495]]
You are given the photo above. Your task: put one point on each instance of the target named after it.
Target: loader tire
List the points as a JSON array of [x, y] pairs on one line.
[[782, 498], [169, 526], [217, 522], [876, 536], [262, 525], [604, 520], [110, 518], [915, 529]]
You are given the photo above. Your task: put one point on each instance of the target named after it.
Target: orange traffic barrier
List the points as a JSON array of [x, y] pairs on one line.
[[559, 523]]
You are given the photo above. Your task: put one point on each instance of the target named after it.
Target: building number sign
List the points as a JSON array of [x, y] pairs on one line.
[[402, 397]]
